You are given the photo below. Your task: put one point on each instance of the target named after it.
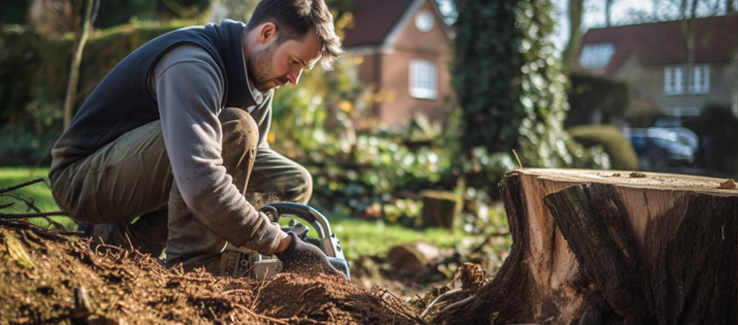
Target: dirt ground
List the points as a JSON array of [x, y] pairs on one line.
[[51, 278]]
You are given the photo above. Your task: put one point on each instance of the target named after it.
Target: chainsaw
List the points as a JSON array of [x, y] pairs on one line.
[[243, 262]]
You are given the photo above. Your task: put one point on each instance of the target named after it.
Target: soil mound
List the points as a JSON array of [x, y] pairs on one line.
[[46, 277]]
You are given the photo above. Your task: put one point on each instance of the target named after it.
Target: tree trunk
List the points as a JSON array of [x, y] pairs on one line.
[[604, 247]]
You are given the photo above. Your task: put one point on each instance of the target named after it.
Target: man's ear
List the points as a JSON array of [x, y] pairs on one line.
[[267, 33]]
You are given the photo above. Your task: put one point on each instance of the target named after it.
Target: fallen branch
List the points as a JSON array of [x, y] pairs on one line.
[[32, 215], [15, 187]]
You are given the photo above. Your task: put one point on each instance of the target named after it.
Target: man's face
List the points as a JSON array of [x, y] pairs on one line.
[[273, 65]]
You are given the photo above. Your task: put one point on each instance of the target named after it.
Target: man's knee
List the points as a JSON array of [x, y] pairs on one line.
[[240, 139], [240, 132], [235, 113]]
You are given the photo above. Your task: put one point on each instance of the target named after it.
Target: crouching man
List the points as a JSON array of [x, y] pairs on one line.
[[174, 137]]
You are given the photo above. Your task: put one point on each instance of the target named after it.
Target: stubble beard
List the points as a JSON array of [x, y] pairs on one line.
[[259, 67]]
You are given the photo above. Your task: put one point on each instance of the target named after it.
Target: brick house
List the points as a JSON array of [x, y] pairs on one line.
[[652, 59], [404, 48]]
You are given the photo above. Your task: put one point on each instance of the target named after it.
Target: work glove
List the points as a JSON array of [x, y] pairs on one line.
[[301, 257]]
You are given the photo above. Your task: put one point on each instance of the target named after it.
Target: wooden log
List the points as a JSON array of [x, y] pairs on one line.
[[609, 247]]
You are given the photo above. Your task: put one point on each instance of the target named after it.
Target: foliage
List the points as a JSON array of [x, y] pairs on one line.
[[18, 71], [354, 171], [14, 11], [622, 156], [485, 38], [510, 85], [719, 129], [592, 92], [180, 9], [118, 12], [33, 76]]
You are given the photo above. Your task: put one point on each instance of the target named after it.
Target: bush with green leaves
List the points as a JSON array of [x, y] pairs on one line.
[[621, 153], [34, 73]]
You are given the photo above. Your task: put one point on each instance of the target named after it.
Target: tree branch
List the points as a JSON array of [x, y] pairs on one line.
[[15, 187]]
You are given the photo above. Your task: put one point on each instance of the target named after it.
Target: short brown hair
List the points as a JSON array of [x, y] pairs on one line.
[[295, 18]]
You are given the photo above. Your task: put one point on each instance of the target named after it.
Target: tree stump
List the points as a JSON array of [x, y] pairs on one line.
[[609, 247], [439, 209]]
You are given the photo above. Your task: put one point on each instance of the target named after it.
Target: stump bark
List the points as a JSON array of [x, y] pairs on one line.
[[609, 247]]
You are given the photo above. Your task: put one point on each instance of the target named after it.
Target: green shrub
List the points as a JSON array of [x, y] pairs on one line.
[[621, 153], [15, 11], [33, 78]]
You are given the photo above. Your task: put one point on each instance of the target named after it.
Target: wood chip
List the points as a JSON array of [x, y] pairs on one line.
[[728, 184], [81, 303]]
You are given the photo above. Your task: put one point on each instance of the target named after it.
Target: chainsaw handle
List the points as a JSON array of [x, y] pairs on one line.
[[307, 213]]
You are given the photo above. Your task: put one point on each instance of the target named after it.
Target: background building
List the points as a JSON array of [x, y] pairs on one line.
[[404, 47]]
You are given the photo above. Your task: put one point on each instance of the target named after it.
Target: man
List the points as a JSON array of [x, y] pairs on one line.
[[175, 136]]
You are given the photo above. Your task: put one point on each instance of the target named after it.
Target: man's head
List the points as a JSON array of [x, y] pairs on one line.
[[289, 36]]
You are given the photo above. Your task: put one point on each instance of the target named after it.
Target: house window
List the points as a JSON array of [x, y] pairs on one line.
[[698, 81], [423, 81], [673, 84], [596, 55]]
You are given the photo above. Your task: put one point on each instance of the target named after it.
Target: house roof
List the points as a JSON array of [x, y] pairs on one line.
[[377, 22], [661, 43], [373, 21]]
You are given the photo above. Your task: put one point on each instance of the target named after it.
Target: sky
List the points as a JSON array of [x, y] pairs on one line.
[[594, 15], [623, 12]]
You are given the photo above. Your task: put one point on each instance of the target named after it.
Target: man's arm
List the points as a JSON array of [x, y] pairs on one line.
[[189, 90]]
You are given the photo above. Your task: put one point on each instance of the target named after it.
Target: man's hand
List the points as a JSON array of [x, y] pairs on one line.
[[301, 257]]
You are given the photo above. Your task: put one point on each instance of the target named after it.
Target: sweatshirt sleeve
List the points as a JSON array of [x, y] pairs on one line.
[[189, 90]]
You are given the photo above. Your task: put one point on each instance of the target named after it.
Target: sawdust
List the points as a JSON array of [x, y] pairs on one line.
[[49, 278]]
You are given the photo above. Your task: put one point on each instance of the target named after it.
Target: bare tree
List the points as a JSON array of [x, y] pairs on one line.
[[81, 34]]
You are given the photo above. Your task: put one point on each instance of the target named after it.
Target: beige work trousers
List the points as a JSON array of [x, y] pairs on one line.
[[130, 179]]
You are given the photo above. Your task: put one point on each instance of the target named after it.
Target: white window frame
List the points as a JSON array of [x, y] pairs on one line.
[[596, 55], [696, 83], [674, 80], [700, 79], [423, 79]]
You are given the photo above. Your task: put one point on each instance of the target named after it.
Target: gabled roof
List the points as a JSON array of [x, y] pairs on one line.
[[716, 39], [373, 20], [376, 22]]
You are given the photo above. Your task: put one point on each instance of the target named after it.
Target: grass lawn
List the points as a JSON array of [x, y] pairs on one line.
[[25, 198], [358, 237]]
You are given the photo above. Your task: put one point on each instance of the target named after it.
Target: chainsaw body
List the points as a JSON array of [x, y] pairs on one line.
[[240, 261]]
